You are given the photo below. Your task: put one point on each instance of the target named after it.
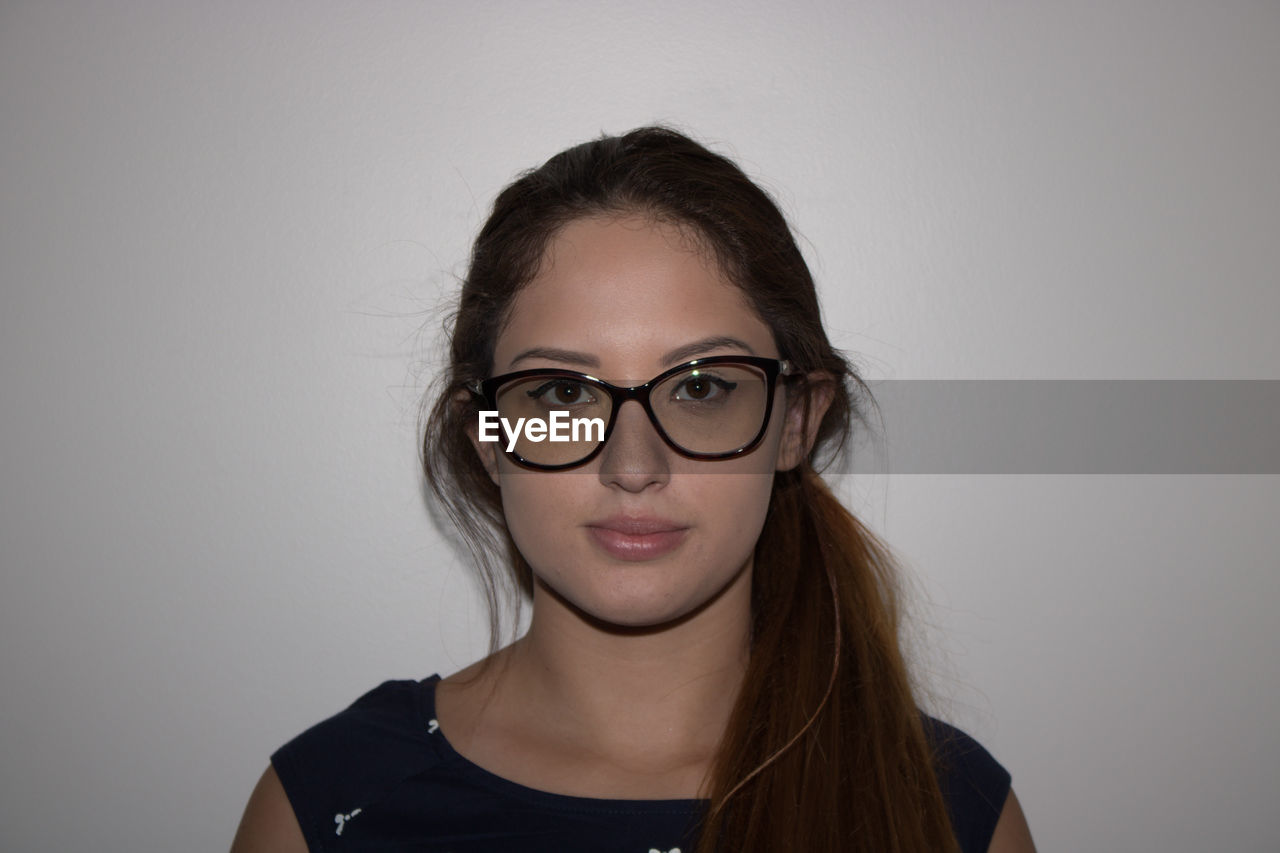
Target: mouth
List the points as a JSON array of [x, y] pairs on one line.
[[636, 539]]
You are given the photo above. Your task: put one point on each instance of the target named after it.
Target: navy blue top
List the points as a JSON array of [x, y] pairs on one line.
[[380, 776]]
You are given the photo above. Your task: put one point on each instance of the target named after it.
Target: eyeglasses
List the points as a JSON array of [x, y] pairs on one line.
[[709, 408]]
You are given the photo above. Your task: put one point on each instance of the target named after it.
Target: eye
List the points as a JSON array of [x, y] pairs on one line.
[[562, 392], [702, 387]]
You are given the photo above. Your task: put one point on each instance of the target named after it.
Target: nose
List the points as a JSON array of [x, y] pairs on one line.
[[635, 456]]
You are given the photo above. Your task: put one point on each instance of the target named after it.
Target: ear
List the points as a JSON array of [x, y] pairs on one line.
[[486, 450], [797, 436]]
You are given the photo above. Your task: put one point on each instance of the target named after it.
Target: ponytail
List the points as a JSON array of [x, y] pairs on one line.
[[825, 750]]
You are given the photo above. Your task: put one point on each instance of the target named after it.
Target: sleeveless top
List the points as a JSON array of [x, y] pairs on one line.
[[380, 776]]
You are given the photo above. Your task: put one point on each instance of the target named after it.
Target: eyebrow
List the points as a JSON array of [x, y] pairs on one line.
[[675, 356], [689, 351]]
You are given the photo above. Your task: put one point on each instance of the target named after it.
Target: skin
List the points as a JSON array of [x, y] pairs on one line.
[[625, 680]]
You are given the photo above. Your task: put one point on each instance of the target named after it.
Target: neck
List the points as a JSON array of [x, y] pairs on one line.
[[668, 689]]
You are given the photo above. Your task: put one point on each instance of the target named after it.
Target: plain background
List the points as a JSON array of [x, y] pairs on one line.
[[228, 233]]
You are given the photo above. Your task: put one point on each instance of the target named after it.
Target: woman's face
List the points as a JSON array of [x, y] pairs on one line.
[[624, 298]]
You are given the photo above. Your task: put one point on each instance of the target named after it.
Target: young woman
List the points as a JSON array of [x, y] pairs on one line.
[[712, 662]]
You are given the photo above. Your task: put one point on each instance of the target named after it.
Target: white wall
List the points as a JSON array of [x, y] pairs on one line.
[[222, 227]]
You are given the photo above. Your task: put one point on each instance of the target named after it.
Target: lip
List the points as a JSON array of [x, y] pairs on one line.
[[636, 538]]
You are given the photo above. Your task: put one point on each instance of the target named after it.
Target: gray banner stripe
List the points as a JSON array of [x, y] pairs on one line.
[[1072, 427]]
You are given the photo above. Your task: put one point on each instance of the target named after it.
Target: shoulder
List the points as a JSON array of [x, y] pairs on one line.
[[974, 785], [269, 824], [1012, 834], [356, 754]]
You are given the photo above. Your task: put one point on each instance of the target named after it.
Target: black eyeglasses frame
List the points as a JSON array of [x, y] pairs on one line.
[[772, 368]]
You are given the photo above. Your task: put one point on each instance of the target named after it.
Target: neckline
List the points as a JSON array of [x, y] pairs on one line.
[[491, 780]]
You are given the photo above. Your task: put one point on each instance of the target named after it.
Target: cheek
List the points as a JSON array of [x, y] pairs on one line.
[[732, 509], [541, 510], [734, 496]]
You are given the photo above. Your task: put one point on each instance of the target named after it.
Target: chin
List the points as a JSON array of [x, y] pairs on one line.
[[639, 603], [626, 610], [636, 618]]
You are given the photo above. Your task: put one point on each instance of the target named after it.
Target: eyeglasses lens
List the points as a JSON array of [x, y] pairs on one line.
[[539, 397]]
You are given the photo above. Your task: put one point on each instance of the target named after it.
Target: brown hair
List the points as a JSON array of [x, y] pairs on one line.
[[825, 750]]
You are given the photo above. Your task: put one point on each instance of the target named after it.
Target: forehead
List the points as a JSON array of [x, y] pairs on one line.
[[626, 290]]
